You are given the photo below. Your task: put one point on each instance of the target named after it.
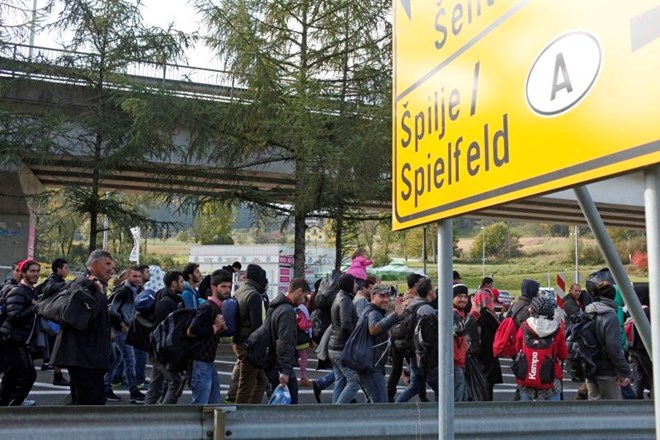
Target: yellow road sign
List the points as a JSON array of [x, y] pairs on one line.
[[499, 100]]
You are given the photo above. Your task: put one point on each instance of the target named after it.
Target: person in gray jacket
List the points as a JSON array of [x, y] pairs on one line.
[[373, 382], [344, 318], [613, 368]]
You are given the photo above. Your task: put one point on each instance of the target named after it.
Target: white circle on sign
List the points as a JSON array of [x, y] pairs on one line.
[[563, 73]]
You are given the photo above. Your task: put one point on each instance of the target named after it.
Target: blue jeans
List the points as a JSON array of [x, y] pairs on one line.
[[326, 380], [524, 397], [418, 380], [374, 385], [205, 383], [140, 365], [346, 385], [459, 384], [127, 357]]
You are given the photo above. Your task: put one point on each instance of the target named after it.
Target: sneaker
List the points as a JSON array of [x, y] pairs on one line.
[[137, 397], [28, 402], [110, 396], [62, 382], [144, 386], [317, 391], [46, 367], [118, 385], [230, 400], [305, 383]]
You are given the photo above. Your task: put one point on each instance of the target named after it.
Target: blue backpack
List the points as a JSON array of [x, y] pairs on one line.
[[231, 315], [145, 302]]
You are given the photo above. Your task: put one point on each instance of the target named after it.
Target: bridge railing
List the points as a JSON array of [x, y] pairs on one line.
[[60, 65]]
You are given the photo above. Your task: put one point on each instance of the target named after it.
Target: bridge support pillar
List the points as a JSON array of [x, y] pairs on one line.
[[17, 216]]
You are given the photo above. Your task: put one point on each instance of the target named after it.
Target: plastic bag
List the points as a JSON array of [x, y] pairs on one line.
[[281, 396], [476, 387]]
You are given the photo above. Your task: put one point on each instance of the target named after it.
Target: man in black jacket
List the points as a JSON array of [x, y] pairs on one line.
[[613, 368], [122, 309], [282, 315], [86, 353], [575, 300], [168, 299], [252, 382], [205, 328], [344, 318], [11, 282], [55, 283], [16, 332]]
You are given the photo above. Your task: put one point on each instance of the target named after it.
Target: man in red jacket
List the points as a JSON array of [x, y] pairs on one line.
[[462, 325]]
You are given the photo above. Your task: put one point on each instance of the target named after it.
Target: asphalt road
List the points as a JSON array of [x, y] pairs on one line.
[[44, 393]]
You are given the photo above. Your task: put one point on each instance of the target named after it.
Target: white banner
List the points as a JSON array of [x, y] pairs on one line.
[[135, 252]]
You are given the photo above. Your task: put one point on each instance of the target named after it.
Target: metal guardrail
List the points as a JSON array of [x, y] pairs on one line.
[[632, 420], [475, 420]]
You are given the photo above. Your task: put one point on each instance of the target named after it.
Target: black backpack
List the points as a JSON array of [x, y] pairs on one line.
[[321, 320], [584, 349], [170, 340], [425, 341], [327, 292], [404, 331]]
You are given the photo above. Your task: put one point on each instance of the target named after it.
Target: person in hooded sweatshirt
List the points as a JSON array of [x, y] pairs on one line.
[[613, 370], [542, 324], [529, 289]]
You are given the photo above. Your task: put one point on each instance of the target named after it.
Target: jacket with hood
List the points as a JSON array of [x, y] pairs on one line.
[[612, 361], [19, 325], [543, 327], [529, 289], [342, 314], [283, 330], [167, 301], [190, 296], [251, 305]]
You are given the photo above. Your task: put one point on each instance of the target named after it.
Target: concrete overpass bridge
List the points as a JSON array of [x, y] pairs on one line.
[[31, 80]]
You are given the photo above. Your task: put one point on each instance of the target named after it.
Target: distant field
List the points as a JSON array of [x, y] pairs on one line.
[[543, 258]]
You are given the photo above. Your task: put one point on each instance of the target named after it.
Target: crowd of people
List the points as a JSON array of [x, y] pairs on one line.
[[399, 330]]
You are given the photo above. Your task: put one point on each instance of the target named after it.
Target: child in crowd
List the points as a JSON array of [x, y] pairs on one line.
[[358, 269], [304, 333]]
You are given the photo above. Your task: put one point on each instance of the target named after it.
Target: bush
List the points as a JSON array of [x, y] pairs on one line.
[[591, 254], [640, 260]]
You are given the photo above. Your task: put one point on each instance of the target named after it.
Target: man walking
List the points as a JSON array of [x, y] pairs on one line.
[[86, 353], [16, 332], [282, 318]]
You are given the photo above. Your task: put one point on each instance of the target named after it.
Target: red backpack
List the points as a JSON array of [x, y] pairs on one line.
[[534, 366], [504, 344]]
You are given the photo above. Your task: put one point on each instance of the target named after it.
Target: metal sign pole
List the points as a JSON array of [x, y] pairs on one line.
[[612, 258], [445, 332], [652, 207]]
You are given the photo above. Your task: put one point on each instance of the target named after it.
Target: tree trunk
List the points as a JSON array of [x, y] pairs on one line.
[[339, 229], [299, 246]]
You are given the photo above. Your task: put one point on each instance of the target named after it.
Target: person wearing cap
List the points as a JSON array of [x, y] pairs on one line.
[[613, 369], [16, 334], [373, 383], [542, 324], [463, 324], [252, 381]]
